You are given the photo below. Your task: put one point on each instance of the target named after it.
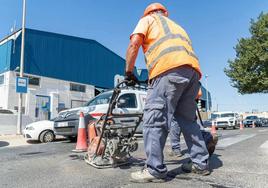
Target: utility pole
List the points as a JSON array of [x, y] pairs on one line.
[[207, 103], [13, 30], [19, 122]]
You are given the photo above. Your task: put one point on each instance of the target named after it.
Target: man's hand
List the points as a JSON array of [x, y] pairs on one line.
[[131, 78]]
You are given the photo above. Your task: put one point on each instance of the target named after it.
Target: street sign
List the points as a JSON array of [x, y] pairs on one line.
[[21, 85]]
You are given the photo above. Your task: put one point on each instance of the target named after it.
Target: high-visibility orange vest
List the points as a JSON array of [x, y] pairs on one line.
[[171, 49]]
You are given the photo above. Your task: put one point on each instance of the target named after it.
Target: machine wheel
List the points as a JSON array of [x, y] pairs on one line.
[[46, 136]]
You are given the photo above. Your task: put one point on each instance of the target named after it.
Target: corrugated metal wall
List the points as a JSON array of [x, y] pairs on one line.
[[143, 74], [5, 54], [204, 96], [68, 58]]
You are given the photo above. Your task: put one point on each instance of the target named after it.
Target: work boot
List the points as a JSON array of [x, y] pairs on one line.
[[144, 176], [212, 144], [190, 167], [175, 154]]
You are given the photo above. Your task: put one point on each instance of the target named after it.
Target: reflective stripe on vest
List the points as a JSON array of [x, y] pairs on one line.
[[168, 35], [164, 24], [167, 51], [165, 38]]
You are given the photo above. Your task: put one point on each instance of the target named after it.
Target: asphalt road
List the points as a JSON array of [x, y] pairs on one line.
[[239, 161]]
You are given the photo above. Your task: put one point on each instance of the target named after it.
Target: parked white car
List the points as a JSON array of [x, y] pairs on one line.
[[225, 119], [40, 130]]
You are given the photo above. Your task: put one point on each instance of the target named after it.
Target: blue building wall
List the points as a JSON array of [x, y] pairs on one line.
[[143, 74], [5, 56], [204, 97], [68, 58]]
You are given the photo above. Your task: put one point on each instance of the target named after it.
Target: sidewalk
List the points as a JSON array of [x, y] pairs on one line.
[[12, 141], [8, 129]]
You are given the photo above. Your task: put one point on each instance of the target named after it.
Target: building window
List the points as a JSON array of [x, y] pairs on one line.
[[2, 79], [35, 81], [22, 109], [4, 111], [77, 87], [77, 103]]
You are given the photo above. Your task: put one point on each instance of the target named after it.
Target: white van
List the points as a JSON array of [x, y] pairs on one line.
[[131, 101], [225, 119]]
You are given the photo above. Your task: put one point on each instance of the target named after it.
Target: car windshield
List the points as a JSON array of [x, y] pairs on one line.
[[251, 117], [214, 116], [103, 98], [224, 115], [228, 115]]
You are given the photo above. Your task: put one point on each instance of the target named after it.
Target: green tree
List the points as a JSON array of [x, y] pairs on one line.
[[248, 72]]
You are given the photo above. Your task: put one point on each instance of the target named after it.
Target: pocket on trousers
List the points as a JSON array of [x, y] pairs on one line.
[[154, 115], [177, 79]]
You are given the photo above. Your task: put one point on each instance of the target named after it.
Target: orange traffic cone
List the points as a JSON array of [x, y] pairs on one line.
[[213, 128], [92, 132], [253, 124], [241, 125], [81, 144]]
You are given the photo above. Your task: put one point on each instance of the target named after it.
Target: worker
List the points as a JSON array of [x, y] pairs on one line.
[[175, 133], [174, 73], [211, 140]]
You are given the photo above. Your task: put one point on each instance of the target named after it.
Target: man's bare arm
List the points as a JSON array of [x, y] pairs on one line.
[[132, 51]]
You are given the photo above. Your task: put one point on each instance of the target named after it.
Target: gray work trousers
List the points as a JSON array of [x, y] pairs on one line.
[[172, 95], [174, 135]]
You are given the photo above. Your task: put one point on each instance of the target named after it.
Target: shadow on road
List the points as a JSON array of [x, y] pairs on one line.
[[80, 156], [66, 140], [3, 144], [33, 142], [56, 140], [215, 162]]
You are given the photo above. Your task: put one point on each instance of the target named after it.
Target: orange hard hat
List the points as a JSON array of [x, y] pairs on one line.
[[153, 7]]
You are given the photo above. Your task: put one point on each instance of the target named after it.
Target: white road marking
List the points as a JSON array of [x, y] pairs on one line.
[[264, 147], [222, 143], [263, 130]]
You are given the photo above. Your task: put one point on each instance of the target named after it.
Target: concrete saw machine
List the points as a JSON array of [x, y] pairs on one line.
[[112, 135]]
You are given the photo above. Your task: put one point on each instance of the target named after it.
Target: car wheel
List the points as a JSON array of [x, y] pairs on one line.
[[224, 128], [46, 136], [234, 127]]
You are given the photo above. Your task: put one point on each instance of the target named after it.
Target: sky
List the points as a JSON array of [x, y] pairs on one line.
[[213, 26]]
